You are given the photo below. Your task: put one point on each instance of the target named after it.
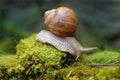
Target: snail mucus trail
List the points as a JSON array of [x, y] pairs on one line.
[[62, 24]]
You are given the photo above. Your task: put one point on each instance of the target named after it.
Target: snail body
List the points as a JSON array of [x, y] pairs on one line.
[[62, 24], [67, 44], [60, 43]]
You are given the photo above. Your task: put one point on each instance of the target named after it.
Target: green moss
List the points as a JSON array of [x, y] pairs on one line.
[[7, 59], [35, 58], [104, 57], [38, 61], [108, 74], [84, 73], [31, 50]]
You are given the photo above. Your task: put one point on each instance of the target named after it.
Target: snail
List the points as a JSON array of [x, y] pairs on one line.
[[62, 25]]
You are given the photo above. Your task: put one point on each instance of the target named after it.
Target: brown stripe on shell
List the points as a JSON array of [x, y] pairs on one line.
[[61, 33], [62, 30]]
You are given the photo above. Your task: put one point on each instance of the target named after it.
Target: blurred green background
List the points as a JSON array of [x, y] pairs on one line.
[[99, 21]]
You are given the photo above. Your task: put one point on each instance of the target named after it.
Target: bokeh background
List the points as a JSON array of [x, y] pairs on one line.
[[99, 21]]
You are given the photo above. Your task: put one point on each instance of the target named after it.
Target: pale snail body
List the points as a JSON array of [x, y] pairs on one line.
[[67, 44], [62, 24]]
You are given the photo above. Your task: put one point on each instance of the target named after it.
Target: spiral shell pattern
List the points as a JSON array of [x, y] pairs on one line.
[[61, 21]]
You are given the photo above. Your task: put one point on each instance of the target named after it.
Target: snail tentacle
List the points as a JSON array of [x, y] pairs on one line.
[[88, 49]]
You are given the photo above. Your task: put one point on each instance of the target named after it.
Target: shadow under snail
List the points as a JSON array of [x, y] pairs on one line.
[[62, 24]]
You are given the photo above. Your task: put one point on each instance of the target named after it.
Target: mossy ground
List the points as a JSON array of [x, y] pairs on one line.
[[38, 61], [104, 57], [84, 73]]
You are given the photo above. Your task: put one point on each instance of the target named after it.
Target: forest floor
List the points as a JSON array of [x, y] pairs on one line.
[[38, 61]]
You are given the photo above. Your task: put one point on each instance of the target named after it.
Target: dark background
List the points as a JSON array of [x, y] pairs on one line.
[[99, 21]]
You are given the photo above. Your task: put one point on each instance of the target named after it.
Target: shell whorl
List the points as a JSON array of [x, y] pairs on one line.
[[61, 21]]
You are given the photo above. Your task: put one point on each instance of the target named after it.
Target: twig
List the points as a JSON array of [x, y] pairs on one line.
[[103, 65], [116, 62]]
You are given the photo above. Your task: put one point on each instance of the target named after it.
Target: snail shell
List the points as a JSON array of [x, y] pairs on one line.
[[62, 24], [67, 44], [61, 21]]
